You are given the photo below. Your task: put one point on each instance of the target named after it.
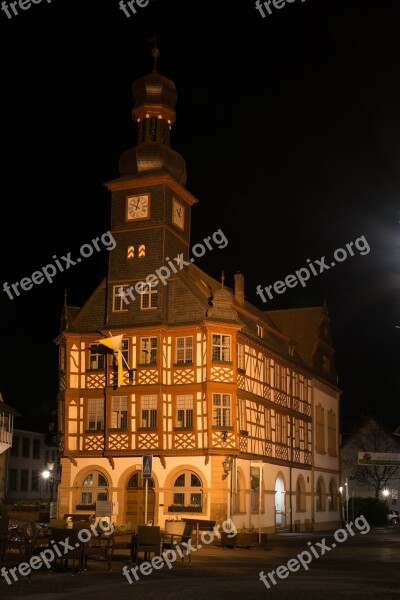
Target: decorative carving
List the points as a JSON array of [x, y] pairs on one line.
[[111, 461], [162, 461]]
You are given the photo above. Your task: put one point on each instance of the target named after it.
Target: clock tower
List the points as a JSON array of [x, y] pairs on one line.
[[150, 207]]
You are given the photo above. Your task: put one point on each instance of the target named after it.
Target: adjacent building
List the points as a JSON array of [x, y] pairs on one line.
[[237, 407], [7, 414], [29, 456]]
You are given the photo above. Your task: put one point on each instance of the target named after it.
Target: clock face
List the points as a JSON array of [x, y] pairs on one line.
[[178, 214], [137, 207]]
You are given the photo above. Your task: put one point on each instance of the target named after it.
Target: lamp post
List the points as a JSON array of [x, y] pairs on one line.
[[227, 466], [47, 475]]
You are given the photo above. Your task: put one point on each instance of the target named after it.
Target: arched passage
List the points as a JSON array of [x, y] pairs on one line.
[[280, 510]]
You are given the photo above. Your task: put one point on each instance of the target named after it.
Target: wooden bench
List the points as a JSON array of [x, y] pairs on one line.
[[200, 525]]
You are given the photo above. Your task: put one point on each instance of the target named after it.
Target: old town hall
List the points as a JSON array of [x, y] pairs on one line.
[[237, 407]]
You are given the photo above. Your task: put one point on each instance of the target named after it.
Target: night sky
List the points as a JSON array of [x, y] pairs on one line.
[[290, 128]]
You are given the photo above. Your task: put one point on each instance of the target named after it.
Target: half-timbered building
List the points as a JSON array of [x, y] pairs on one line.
[[238, 407]]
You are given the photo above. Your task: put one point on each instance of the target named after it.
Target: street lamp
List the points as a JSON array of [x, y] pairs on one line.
[[47, 475], [227, 466]]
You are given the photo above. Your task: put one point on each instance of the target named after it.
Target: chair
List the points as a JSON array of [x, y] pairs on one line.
[[21, 547], [172, 541], [148, 540], [76, 553], [99, 547]]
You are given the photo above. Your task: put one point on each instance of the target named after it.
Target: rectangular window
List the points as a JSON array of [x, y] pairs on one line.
[[242, 414], [221, 347], [148, 297], [96, 357], [86, 497], [35, 448], [125, 352], [119, 417], [184, 349], [15, 446], [36, 475], [96, 414], [222, 410], [268, 427], [179, 499], [149, 411], [297, 433], [24, 480], [266, 371], [280, 382], [184, 411], [320, 429], [12, 480], [26, 446], [332, 448], [149, 351], [281, 428], [240, 356], [120, 298]]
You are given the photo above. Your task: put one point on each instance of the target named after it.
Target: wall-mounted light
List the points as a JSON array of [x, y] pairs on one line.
[[227, 465]]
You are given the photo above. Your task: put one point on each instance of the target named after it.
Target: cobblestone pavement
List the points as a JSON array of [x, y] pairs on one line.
[[364, 566]]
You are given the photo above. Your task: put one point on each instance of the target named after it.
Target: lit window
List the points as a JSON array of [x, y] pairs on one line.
[[142, 250], [240, 356], [184, 349], [149, 411], [242, 414], [120, 300], [222, 410], [96, 358], [189, 494], [125, 352], [260, 331], [184, 411], [320, 429], [149, 351], [221, 347], [131, 252], [96, 414], [281, 428], [98, 485], [148, 297], [119, 417]]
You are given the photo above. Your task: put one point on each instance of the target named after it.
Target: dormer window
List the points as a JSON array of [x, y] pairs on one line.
[[326, 363], [260, 331]]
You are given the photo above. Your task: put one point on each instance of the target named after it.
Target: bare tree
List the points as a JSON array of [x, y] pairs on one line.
[[372, 437]]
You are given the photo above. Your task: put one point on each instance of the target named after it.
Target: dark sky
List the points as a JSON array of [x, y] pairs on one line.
[[290, 130]]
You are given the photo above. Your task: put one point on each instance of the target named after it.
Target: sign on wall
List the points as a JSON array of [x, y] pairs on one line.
[[379, 458]]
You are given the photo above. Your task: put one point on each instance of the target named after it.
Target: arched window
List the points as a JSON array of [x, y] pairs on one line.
[[137, 481], [94, 487], [300, 494], [187, 492], [142, 250], [332, 495], [320, 495]]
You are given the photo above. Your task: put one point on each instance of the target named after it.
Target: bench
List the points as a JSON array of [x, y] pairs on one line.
[[200, 525]]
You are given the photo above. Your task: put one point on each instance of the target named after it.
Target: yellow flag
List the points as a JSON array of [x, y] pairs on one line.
[[114, 343]]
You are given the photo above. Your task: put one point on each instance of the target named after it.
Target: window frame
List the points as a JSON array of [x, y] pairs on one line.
[[220, 351], [185, 349], [149, 405], [220, 411], [97, 412], [152, 352], [150, 292], [187, 408], [119, 412], [118, 304]]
